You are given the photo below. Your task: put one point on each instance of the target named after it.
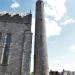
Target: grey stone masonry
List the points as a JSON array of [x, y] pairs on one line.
[[16, 18], [40, 47], [26, 54], [19, 53]]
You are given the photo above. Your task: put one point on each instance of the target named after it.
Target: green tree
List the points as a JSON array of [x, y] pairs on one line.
[[32, 73]]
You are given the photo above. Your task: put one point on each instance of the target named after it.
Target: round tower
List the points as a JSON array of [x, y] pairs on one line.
[[40, 48]]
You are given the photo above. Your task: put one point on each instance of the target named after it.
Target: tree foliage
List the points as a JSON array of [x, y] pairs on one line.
[[32, 73]]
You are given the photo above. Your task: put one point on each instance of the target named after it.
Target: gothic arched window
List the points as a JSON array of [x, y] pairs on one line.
[[6, 49], [0, 36]]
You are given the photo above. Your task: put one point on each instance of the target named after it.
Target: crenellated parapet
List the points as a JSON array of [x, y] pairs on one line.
[[15, 18]]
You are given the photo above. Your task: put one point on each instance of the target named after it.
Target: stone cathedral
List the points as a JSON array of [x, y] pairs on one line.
[[16, 43]]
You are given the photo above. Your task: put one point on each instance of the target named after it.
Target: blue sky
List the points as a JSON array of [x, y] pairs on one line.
[[60, 29]]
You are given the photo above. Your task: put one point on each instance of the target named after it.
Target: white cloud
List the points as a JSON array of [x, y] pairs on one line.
[[60, 57], [15, 5], [69, 66], [60, 67], [72, 49], [55, 8], [3, 12], [68, 21], [52, 28], [59, 64]]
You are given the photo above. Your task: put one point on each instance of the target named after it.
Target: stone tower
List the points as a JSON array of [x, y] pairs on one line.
[[40, 50], [15, 44]]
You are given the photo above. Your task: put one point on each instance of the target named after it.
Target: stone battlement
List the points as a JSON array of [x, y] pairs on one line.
[[15, 18]]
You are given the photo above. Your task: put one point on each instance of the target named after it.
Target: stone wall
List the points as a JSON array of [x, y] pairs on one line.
[[19, 27]]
